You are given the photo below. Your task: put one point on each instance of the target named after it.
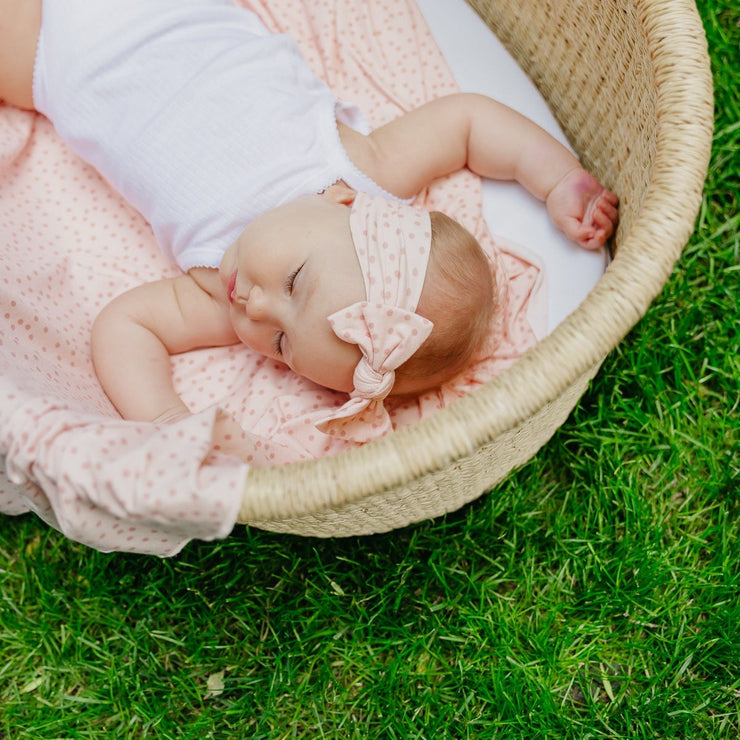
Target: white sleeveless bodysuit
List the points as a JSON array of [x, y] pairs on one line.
[[193, 111]]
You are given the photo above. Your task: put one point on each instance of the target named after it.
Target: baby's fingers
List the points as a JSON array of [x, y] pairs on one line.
[[592, 235], [608, 208], [594, 239], [611, 198], [604, 219], [588, 236]]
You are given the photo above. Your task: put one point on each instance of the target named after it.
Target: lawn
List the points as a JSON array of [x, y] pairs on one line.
[[594, 594]]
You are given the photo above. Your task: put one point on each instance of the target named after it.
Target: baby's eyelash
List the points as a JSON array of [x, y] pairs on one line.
[[288, 287], [277, 342], [291, 280]]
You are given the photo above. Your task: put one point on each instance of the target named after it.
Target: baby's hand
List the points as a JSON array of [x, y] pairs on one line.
[[583, 209]]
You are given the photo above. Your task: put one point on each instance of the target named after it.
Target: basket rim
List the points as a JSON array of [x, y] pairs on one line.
[[680, 61]]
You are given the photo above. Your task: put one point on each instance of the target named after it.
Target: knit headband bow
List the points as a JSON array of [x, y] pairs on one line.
[[393, 242]]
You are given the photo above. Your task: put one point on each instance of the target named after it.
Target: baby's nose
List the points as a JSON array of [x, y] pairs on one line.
[[256, 305]]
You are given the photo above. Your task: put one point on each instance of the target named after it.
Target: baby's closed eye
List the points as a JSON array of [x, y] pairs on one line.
[[290, 280], [278, 343]]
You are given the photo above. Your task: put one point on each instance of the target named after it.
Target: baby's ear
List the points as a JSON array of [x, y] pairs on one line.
[[341, 193]]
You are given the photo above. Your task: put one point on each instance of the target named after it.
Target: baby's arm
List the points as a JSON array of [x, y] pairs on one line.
[[135, 334], [494, 141]]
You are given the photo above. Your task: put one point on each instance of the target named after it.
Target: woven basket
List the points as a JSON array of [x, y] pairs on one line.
[[630, 84]]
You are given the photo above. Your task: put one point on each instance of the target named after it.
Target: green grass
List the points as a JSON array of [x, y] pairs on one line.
[[595, 594]]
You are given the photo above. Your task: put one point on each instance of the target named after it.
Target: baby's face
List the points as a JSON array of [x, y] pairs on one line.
[[286, 273]]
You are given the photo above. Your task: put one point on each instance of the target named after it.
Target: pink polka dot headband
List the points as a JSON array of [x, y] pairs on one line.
[[393, 243]]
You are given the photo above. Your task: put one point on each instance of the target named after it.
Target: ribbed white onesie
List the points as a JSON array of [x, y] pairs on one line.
[[193, 111]]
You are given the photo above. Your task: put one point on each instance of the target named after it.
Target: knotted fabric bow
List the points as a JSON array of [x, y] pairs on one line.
[[393, 242]]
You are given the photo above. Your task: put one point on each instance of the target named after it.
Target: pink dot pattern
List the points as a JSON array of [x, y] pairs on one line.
[[69, 244], [392, 242], [387, 336]]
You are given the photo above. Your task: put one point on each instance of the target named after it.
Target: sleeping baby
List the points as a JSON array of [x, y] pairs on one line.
[[290, 218]]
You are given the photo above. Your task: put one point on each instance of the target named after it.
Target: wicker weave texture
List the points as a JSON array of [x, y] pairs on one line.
[[630, 84]]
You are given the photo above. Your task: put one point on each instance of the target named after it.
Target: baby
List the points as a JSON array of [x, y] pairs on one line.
[[288, 216]]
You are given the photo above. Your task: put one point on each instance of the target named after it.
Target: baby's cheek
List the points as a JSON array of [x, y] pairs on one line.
[[248, 335], [329, 363]]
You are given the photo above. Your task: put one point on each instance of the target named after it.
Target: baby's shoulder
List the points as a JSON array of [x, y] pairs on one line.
[[203, 307]]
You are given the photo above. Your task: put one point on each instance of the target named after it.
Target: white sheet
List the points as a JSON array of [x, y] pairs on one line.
[[481, 64]]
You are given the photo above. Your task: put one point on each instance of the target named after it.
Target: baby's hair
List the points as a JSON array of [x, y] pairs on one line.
[[458, 297]]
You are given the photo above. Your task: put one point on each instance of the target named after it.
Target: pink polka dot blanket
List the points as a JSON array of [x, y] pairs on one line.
[[69, 244]]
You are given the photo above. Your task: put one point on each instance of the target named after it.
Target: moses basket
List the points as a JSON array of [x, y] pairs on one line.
[[629, 82]]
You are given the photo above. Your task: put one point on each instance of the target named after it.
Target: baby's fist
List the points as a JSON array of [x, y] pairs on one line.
[[583, 209]]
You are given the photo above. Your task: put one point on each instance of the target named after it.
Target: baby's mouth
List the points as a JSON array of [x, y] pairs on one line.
[[231, 286]]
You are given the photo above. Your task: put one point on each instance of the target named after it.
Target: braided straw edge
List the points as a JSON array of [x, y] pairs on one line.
[[369, 489]]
